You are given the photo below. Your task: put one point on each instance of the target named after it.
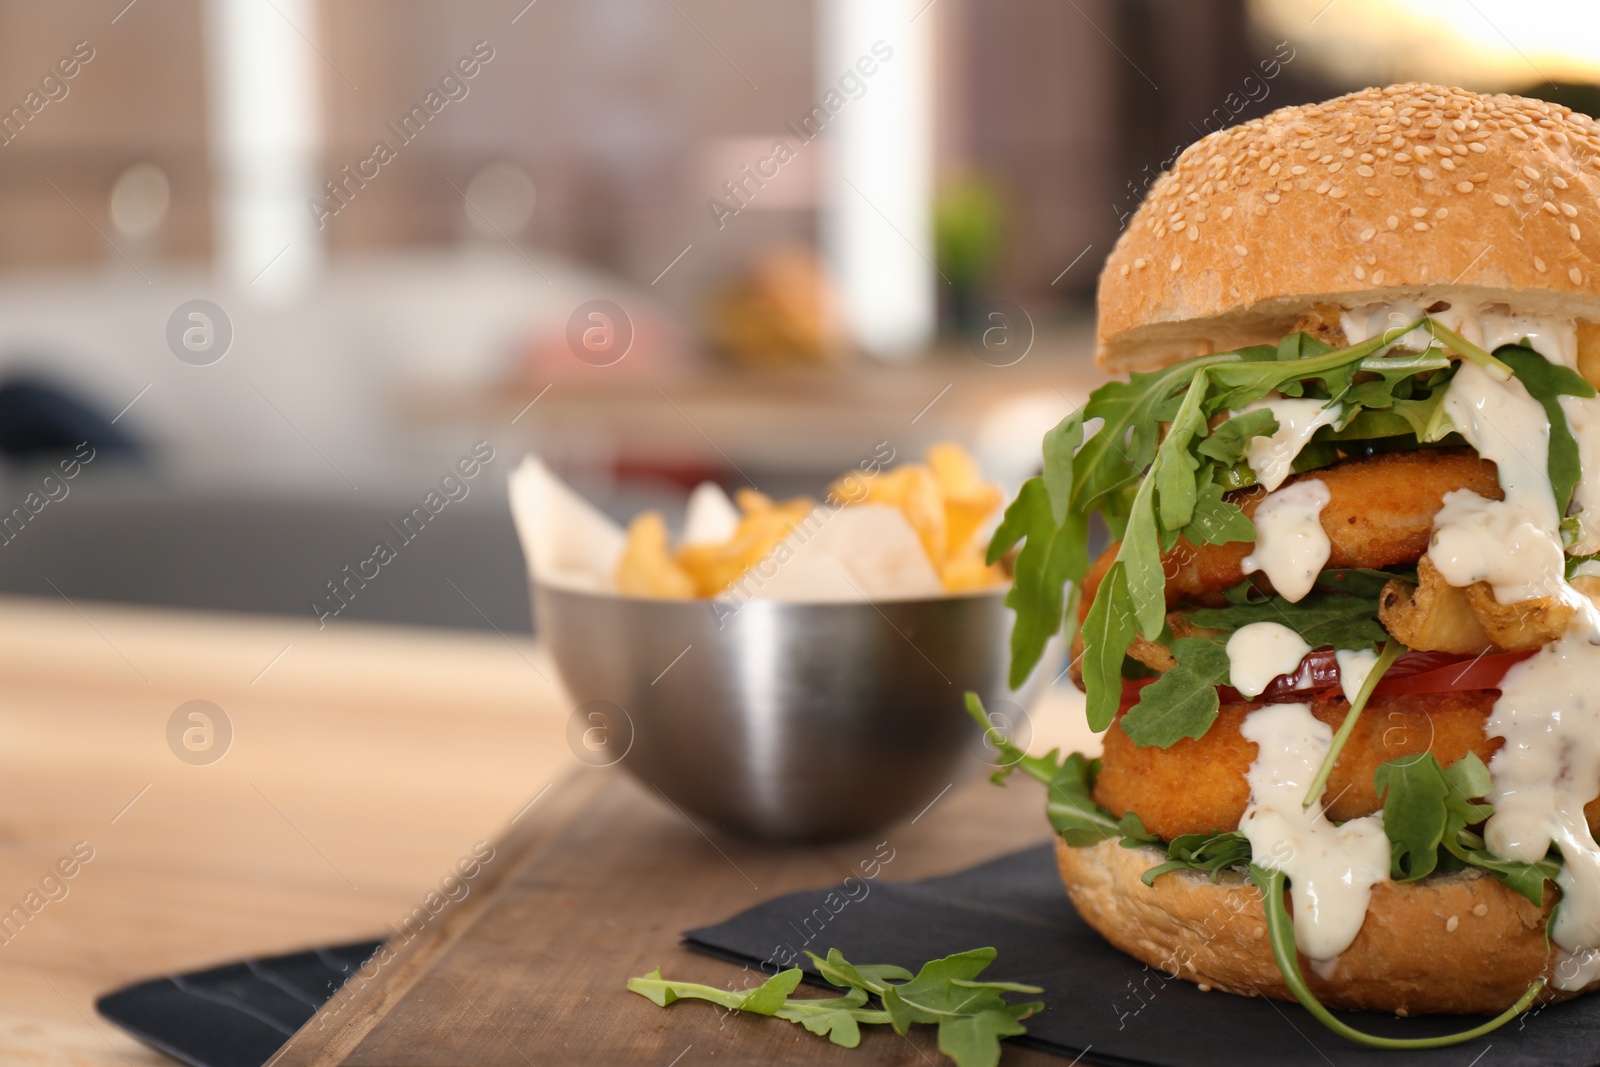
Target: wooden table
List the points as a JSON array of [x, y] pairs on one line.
[[365, 762]]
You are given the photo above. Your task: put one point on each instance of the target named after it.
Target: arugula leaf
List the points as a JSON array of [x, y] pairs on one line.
[[1107, 633], [1183, 702], [1414, 814], [1427, 807], [1360, 581], [1343, 621], [1229, 443], [1203, 852], [972, 1016], [1061, 446], [1070, 807], [1217, 521], [1052, 555], [1546, 382], [1176, 464]]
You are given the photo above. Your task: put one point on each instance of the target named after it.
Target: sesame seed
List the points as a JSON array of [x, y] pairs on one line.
[[1441, 213], [1394, 223], [1337, 192], [1538, 264], [1194, 233], [1204, 988], [1272, 198], [1365, 171], [1573, 230], [1227, 212], [1576, 275], [1480, 910], [1138, 264], [1418, 212], [1569, 211], [1124, 271], [1463, 187], [1367, 235], [1179, 225], [1425, 173], [1549, 208], [1451, 925], [1532, 174], [1377, 277], [1502, 199], [1241, 249], [1359, 273], [1419, 226], [1177, 261], [1324, 187], [1558, 181]]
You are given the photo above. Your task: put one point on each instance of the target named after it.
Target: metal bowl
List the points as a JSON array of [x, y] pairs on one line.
[[783, 721]]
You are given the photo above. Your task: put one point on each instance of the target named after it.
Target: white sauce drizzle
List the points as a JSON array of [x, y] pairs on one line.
[[1272, 457], [1583, 419], [1291, 546], [1548, 712], [1488, 327], [1513, 544], [1331, 869], [1354, 666], [1260, 652]]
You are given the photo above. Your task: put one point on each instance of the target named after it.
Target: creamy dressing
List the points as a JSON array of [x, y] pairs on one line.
[[1272, 457], [1354, 667], [1513, 544], [1331, 869], [1291, 546], [1260, 652], [1548, 712], [1583, 419], [1488, 327]]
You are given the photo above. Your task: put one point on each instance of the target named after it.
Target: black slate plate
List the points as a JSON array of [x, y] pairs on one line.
[[1100, 1004], [237, 1015]]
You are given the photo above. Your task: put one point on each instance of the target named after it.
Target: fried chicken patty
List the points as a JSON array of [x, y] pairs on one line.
[[1199, 786], [1379, 514]]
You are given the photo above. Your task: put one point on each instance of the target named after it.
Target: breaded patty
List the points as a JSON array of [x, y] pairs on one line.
[[1199, 786], [1379, 514]]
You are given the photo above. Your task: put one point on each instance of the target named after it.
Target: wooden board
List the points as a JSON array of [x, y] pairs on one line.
[[595, 886]]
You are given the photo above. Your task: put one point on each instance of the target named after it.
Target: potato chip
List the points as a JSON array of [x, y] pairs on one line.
[[647, 567]]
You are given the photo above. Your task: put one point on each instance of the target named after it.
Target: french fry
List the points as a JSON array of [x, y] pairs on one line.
[[714, 568], [647, 567], [946, 503]]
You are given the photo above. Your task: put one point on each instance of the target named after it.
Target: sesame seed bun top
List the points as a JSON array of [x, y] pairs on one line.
[[1381, 195]]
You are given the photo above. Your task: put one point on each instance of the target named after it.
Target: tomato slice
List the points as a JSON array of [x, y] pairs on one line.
[[1461, 675], [1413, 673]]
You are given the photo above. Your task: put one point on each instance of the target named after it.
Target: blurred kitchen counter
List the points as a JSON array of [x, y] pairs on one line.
[[365, 761], [717, 418]]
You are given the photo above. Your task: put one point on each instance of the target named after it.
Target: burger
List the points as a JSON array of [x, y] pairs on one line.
[[1343, 644]]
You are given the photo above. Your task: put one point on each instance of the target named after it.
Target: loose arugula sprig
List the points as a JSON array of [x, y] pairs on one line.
[[972, 1016]]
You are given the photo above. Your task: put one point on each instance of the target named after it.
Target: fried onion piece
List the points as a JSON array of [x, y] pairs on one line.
[[1435, 616], [1432, 615], [1521, 625]]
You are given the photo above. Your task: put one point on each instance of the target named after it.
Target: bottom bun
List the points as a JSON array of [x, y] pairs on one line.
[[1459, 943]]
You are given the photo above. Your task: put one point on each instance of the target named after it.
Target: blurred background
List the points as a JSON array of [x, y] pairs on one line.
[[269, 268]]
